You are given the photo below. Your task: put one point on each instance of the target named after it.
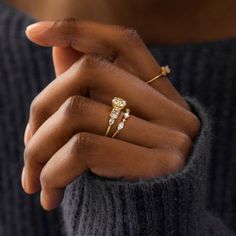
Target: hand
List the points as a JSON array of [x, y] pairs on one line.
[[68, 119]]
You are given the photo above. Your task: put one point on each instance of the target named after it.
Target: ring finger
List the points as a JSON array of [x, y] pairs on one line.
[[100, 80]]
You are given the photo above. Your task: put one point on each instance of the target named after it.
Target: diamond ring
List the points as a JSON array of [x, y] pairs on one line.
[[118, 105]]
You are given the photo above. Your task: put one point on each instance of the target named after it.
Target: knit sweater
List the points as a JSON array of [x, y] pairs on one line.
[[198, 200]]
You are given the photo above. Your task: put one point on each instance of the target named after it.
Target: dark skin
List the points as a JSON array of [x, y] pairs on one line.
[[94, 63]]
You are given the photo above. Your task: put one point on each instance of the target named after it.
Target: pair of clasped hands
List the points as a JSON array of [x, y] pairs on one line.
[[65, 133]]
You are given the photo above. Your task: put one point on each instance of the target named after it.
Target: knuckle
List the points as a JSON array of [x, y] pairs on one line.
[[104, 63], [36, 107], [68, 21], [183, 142], [29, 154], [45, 179], [130, 35], [168, 162], [84, 142], [175, 162], [90, 67], [86, 67], [38, 111], [77, 67], [81, 71], [95, 61], [194, 124], [83, 145], [91, 61], [75, 105]]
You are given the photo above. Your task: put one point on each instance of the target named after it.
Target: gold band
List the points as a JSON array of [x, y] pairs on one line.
[[122, 123], [113, 117], [165, 70], [118, 105]]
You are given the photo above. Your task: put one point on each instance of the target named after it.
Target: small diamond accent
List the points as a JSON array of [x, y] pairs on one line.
[[114, 115], [121, 126], [126, 115], [165, 70], [111, 122]]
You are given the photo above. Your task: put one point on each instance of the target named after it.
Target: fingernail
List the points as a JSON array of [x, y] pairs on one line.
[[39, 27], [27, 135], [23, 180]]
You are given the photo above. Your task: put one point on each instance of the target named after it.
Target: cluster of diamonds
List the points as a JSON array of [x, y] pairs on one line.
[[113, 116], [118, 103], [165, 70]]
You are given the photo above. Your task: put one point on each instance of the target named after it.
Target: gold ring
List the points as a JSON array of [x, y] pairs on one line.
[[118, 105], [122, 123], [165, 70]]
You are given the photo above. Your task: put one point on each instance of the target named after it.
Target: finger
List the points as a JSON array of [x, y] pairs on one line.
[[63, 58], [80, 114], [122, 44], [104, 157], [91, 37], [27, 135], [103, 80]]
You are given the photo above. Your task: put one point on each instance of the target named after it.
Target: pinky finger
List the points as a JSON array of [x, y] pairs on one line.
[[104, 157]]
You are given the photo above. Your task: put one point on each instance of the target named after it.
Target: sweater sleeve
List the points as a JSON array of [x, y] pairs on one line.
[[170, 205]]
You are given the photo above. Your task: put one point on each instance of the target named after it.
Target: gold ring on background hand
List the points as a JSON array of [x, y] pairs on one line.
[[165, 70]]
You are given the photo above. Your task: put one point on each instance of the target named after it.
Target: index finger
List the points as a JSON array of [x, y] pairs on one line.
[[120, 44]]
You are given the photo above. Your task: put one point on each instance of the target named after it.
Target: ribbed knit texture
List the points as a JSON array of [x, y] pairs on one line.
[[172, 205], [199, 200], [24, 70]]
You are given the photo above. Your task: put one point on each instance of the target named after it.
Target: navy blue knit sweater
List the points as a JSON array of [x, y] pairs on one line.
[[199, 200]]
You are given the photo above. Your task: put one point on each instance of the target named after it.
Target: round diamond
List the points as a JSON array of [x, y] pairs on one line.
[[118, 103]]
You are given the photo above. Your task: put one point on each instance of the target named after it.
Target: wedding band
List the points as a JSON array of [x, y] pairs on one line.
[[121, 125], [165, 70], [118, 105]]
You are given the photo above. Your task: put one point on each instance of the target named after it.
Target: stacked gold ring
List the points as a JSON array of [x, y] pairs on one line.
[[118, 105], [121, 125]]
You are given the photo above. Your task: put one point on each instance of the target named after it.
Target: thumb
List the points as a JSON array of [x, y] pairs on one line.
[[63, 57]]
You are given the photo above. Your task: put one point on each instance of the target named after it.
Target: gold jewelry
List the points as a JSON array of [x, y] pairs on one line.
[[165, 70], [118, 105], [122, 123]]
